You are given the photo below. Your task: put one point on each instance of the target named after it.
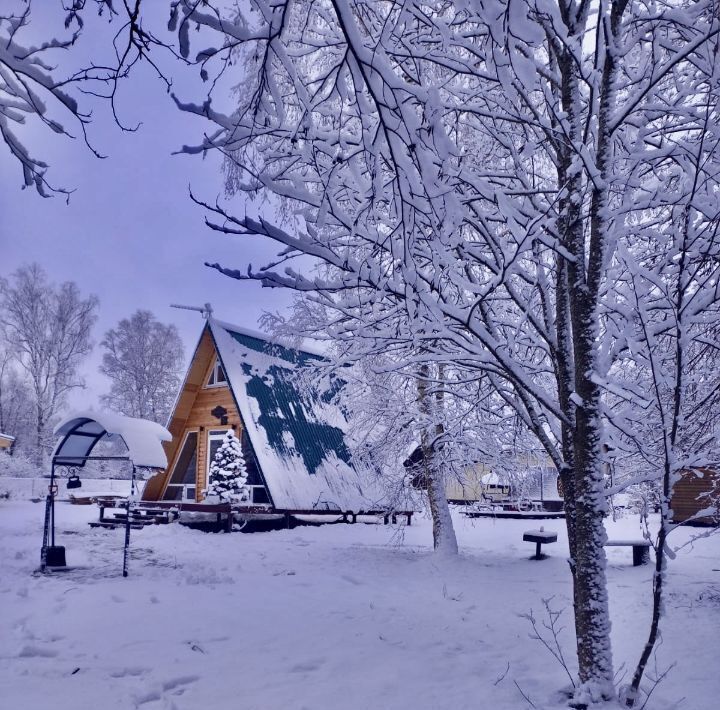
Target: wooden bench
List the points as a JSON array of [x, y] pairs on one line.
[[640, 548], [139, 516], [540, 538]]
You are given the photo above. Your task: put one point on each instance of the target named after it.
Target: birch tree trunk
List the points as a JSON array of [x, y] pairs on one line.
[[444, 538]]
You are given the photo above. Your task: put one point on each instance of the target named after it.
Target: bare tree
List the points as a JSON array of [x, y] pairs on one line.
[[15, 399], [670, 353], [49, 327], [144, 359]]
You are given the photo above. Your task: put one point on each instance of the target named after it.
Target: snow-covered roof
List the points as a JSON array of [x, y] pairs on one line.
[[297, 433], [7, 436], [81, 431]]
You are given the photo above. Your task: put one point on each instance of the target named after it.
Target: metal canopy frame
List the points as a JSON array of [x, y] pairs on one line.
[[77, 459]]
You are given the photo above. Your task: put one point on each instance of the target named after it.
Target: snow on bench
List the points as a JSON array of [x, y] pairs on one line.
[[640, 548]]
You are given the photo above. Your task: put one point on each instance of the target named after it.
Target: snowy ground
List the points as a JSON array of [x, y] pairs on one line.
[[322, 618]]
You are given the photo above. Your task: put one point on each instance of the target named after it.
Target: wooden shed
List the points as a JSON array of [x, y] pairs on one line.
[[292, 435], [696, 497], [6, 441]]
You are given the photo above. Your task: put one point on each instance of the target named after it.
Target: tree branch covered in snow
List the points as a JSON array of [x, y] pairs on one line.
[[33, 91], [462, 183]]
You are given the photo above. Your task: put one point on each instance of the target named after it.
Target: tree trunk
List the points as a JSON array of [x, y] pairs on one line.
[[444, 539], [592, 616], [583, 274], [38, 457]]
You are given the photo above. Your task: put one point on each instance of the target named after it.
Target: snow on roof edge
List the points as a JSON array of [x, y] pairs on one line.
[[270, 339], [142, 437]]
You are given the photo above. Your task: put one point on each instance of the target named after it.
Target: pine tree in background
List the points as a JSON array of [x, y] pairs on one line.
[[228, 474]]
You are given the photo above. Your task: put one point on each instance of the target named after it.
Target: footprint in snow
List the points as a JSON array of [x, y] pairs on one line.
[[32, 651], [175, 683], [308, 666], [351, 580], [133, 671], [174, 686]]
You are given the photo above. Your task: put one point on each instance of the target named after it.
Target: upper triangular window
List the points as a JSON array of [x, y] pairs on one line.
[[217, 375]]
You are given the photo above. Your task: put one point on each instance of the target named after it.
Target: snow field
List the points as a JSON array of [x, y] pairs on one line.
[[352, 616]]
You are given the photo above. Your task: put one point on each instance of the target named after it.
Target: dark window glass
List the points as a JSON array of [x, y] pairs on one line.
[[190, 495], [260, 495], [187, 462], [173, 493], [217, 376], [215, 440], [254, 478]]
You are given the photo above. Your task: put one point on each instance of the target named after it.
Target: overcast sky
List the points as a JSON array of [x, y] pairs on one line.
[[130, 233]]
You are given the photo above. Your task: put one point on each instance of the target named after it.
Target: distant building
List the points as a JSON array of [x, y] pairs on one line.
[[696, 497], [533, 479], [6, 442]]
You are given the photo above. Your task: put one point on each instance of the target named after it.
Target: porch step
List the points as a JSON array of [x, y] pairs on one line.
[[111, 525]]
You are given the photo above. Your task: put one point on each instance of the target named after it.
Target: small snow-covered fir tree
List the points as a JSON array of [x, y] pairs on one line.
[[228, 473]]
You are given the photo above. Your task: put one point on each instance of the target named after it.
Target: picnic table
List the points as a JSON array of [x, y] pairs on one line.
[[539, 537]]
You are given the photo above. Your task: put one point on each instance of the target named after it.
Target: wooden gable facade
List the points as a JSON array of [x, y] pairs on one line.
[[204, 411], [698, 490]]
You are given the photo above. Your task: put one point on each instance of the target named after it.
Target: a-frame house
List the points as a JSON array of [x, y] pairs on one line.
[[293, 436]]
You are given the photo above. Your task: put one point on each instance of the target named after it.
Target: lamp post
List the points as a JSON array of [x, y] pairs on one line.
[[51, 555]]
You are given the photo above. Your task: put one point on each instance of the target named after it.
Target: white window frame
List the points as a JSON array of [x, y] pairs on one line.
[[212, 377], [212, 434], [184, 486]]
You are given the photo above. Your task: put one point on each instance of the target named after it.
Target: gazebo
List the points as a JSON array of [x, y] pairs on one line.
[[78, 436]]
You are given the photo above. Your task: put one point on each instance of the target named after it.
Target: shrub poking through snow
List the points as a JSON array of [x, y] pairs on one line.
[[228, 473]]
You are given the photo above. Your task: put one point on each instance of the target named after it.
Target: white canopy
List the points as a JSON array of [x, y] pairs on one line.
[[81, 432]]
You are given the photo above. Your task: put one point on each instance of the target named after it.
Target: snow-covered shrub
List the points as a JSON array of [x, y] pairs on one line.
[[645, 497], [228, 473], [18, 466]]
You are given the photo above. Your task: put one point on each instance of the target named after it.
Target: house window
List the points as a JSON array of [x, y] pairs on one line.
[[217, 375], [215, 440], [181, 486], [258, 492]]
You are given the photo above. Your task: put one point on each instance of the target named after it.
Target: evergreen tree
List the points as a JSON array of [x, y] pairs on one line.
[[228, 474]]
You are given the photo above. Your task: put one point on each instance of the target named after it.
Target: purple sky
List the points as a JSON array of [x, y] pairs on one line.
[[130, 234]]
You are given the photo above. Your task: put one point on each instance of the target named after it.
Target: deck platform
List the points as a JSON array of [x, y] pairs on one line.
[[505, 512], [146, 512]]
